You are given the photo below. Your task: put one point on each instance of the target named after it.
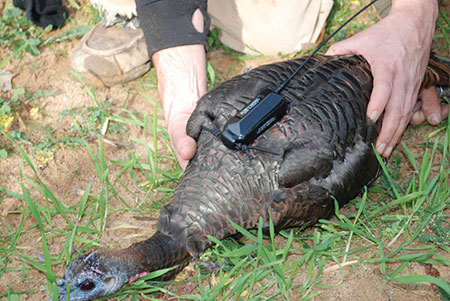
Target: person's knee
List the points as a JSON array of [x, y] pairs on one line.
[[383, 7], [198, 21], [269, 27]]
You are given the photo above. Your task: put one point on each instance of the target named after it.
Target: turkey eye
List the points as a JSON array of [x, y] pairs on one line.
[[87, 285]]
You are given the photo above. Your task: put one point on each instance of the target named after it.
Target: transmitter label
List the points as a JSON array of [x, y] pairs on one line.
[[265, 125], [249, 107]]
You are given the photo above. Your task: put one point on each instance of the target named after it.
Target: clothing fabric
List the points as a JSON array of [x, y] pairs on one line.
[[270, 27], [383, 7], [168, 23], [44, 12], [123, 8]]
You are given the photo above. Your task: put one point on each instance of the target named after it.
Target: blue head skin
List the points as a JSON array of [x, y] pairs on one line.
[[94, 275], [103, 272]]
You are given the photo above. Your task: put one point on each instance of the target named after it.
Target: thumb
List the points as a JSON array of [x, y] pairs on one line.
[[342, 47], [183, 145]]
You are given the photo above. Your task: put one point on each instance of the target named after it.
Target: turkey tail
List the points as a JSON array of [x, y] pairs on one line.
[[437, 72]]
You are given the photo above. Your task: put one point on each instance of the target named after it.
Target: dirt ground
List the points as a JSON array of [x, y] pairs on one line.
[[68, 170]]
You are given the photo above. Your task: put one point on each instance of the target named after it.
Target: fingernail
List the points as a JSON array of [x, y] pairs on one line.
[[388, 151], [374, 115], [434, 119], [381, 147]]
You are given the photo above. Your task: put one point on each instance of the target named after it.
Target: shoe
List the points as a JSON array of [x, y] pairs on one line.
[[108, 56]]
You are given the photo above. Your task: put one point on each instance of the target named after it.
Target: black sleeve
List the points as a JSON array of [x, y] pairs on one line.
[[168, 23], [44, 12]]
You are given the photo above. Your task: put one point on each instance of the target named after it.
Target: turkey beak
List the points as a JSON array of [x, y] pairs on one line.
[[112, 284]]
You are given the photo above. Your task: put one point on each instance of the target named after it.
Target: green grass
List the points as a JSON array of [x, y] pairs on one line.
[[255, 267], [20, 35], [17, 32], [87, 218], [397, 223], [251, 269], [8, 112], [443, 24], [341, 12]]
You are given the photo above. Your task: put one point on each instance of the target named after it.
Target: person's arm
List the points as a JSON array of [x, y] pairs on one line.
[[397, 49], [176, 34]]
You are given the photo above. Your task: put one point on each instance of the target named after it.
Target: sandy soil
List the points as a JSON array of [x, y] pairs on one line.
[[68, 170]]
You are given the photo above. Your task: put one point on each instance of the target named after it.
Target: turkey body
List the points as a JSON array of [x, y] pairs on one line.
[[324, 150], [324, 144]]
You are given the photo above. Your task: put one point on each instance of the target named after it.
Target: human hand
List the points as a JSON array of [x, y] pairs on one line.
[[397, 49], [181, 75]]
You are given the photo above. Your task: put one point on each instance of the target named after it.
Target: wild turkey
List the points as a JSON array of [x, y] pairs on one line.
[[325, 149]]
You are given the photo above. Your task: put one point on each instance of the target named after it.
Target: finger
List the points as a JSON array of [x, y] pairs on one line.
[[396, 137], [392, 127], [407, 100], [394, 122], [388, 129], [381, 93], [183, 163], [183, 145], [339, 48], [419, 116], [184, 150], [431, 105]]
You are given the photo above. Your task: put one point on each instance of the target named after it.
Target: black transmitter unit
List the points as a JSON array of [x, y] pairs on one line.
[[269, 107], [256, 117]]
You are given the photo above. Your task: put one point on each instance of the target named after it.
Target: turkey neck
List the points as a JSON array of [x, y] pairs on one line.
[[158, 252]]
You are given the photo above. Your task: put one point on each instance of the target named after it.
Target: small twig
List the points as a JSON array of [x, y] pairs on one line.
[[116, 143], [339, 266]]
